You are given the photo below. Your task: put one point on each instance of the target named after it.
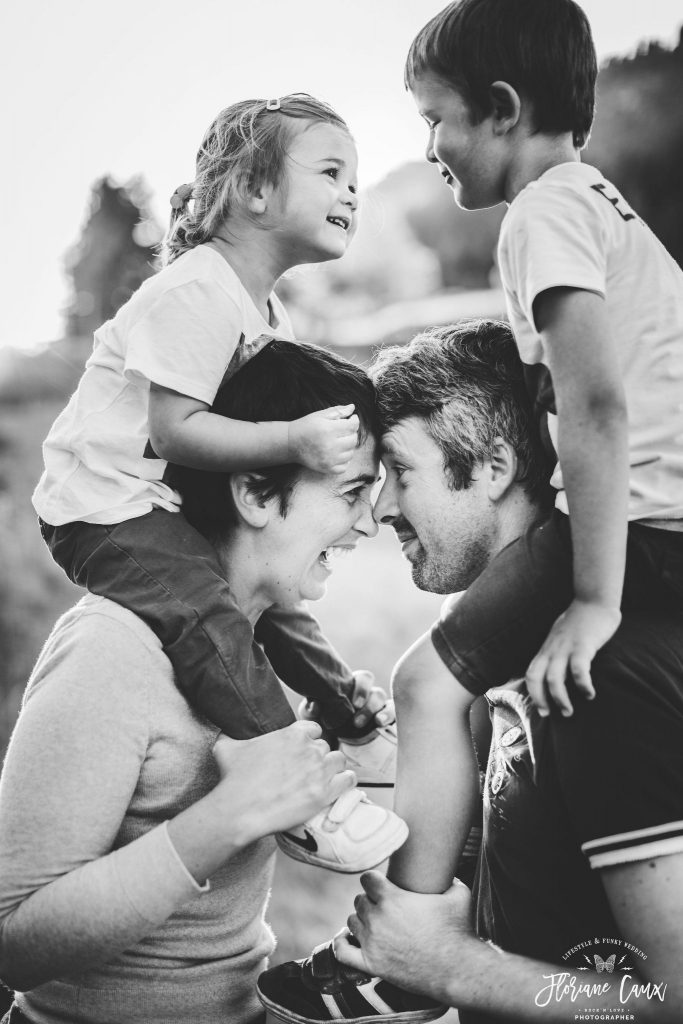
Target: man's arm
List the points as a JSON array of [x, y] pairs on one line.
[[593, 454], [426, 944]]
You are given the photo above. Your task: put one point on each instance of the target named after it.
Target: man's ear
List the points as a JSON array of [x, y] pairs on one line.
[[506, 106], [502, 469], [251, 507]]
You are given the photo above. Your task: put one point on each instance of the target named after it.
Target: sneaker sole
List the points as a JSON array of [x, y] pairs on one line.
[[371, 860], [406, 1017], [364, 784]]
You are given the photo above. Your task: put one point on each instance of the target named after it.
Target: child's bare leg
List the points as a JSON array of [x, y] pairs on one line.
[[437, 784]]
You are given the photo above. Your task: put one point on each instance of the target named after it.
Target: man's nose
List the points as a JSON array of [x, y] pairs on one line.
[[386, 509]]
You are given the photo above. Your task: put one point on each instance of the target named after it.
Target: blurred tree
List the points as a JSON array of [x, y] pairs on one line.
[[637, 139], [463, 241], [114, 255]]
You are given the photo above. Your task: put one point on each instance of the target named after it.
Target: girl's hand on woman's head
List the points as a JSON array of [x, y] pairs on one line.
[[325, 441]]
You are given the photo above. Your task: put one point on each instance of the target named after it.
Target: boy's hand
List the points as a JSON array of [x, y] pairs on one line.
[[570, 647], [325, 441]]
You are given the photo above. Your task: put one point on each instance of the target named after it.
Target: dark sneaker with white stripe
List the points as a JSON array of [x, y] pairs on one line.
[[319, 988]]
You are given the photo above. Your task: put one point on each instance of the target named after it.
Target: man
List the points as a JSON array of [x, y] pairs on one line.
[[581, 867]]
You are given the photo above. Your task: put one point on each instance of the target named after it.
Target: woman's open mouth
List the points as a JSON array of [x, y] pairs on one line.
[[335, 551]]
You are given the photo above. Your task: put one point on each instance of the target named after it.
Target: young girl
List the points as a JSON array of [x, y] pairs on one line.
[[275, 186]]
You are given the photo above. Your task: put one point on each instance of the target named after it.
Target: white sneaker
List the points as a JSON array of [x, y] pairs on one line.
[[351, 835], [373, 758]]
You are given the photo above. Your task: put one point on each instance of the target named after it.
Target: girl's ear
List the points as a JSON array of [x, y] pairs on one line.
[[502, 469], [251, 507], [506, 106], [258, 199]]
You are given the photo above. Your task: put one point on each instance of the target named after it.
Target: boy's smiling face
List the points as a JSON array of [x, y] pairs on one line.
[[471, 157]]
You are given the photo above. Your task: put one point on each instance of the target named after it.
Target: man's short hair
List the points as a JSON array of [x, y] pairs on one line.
[[283, 382], [467, 383], [542, 48]]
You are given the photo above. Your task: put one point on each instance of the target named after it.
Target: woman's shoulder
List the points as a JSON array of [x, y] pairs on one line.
[[109, 623], [105, 648]]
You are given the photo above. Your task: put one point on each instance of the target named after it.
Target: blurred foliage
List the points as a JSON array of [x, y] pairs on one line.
[[637, 139], [113, 256], [32, 590]]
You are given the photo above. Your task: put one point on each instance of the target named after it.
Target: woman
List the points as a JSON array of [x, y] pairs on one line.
[[135, 849]]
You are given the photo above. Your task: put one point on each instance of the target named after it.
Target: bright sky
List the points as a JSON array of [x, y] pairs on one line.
[[93, 87]]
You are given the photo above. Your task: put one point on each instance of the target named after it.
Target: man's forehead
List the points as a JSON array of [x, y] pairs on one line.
[[403, 438]]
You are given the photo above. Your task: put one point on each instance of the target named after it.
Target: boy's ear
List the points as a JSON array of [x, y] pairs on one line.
[[250, 505], [506, 106], [502, 469]]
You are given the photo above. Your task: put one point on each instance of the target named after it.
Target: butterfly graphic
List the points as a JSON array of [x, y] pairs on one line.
[[605, 965]]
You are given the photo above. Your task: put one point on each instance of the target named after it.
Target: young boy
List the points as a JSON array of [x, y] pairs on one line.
[[507, 89]]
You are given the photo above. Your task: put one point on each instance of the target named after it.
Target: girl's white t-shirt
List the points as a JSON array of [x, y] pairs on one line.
[[182, 330]]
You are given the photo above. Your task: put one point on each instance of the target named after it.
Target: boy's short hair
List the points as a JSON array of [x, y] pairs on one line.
[[542, 48], [283, 382], [466, 381]]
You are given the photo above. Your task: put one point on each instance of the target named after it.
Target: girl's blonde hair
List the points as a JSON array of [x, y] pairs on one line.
[[243, 149]]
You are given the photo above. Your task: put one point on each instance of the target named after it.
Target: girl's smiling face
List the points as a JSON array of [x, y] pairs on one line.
[[314, 209]]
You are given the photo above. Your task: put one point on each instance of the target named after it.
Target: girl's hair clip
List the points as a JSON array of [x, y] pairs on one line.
[[180, 197], [272, 104]]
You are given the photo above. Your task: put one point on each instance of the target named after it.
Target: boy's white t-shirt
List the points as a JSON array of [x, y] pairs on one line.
[[181, 330], [572, 228]]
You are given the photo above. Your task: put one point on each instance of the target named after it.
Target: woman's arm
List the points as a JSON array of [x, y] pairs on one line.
[[68, 899]]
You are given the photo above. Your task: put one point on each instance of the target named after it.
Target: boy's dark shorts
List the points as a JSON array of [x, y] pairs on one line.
[[492, 633]]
